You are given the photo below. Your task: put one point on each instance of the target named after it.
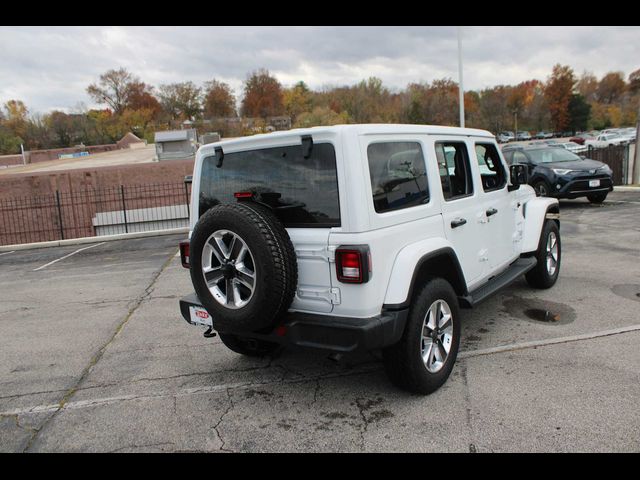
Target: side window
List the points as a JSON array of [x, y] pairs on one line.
[[398, 175], [491, 169], [455, 173], [519, 157], [508, 156]]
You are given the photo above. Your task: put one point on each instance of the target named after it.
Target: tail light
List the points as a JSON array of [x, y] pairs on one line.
[[353, 264], [184, 254]]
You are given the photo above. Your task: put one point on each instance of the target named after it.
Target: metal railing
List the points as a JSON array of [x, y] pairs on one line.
[[94, 212]]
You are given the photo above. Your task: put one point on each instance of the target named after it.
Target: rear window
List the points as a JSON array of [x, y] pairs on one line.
[[302, 191]]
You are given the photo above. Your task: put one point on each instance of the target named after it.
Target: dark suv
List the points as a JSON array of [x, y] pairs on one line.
[[556, 172]]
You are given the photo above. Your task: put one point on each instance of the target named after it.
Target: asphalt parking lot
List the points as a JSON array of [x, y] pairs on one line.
[[94, 356]]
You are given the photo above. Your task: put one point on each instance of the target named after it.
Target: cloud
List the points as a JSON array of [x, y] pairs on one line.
[[50, 67]]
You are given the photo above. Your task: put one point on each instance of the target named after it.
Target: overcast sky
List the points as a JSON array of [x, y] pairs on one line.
[[50, 67]]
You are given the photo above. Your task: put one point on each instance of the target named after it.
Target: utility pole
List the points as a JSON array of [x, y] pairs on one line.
[[460, 83], [635, 177]]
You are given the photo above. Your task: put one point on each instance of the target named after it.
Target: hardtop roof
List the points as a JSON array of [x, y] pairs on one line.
[[359, 129]]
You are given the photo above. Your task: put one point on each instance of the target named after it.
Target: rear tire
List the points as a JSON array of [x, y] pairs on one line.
[[409, 363], [248, 346], [549, 254], [597, 198]]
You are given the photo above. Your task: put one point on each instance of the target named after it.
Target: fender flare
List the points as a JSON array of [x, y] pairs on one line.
[[402, 286], [536, 211]]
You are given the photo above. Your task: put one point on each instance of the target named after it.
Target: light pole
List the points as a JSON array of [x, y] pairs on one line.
[[515, 133], [460, 83]]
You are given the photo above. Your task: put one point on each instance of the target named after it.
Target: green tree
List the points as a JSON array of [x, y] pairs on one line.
[[321, 116], [579, 112], [181, 100], [9, 142]]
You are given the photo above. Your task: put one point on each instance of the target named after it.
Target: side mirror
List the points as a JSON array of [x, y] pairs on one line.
[[519, 176]]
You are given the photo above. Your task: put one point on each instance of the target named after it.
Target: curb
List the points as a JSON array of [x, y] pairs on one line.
[[626, 188], [83, 240]]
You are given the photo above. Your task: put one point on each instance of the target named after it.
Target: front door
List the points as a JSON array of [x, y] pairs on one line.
[[499, 205], [462, 212]]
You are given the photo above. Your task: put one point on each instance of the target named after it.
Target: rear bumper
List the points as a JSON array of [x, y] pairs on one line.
[[336, 334]]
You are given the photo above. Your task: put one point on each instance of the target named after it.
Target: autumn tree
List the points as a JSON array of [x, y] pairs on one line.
[[219, 100], [493, 109], [297, 100], [181, 100], [16, 117], [611, 88], [263, 95], [113, 89], [141, 97], [587, 86], [435, 104], [634, 82], [558, 92]]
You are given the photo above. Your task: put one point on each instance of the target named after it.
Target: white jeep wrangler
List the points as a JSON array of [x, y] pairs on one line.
[[360, 237]]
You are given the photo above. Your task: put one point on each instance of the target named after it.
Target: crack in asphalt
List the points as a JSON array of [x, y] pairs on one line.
[[230, 407], [96, 358]]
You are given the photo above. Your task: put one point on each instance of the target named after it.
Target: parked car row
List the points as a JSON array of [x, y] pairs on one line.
[[593, 138]]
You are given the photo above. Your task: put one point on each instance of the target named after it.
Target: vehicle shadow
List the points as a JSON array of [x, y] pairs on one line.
[[580, 204]]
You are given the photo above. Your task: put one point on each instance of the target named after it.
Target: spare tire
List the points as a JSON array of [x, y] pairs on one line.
[[243, 267]]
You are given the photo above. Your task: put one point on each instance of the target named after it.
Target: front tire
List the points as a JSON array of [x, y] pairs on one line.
[[541, 188], [545, 273], [424, 357], [597, 198]]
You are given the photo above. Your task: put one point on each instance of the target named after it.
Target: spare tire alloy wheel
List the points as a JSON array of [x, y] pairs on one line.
[[244, 267], [229, 269]]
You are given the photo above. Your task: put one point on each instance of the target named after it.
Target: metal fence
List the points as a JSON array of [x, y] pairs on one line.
[[617, 157], [94, 212]]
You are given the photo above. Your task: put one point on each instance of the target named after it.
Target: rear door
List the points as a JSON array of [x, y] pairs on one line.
[[303, 193]]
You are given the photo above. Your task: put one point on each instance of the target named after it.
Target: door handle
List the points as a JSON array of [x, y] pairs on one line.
[[458, 222], [491, 211]]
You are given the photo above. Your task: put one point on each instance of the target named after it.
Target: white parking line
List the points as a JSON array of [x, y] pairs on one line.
[[68, 255], [6, 253], [551, 341]]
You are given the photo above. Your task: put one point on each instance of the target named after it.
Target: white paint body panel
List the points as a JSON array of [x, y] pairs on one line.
[[400, 238]]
